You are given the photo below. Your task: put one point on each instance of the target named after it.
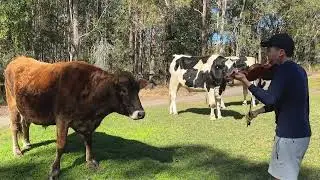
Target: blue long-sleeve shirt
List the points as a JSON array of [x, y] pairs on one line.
[[288, 96]]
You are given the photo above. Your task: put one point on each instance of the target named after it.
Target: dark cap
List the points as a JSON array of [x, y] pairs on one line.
[[282, 41]]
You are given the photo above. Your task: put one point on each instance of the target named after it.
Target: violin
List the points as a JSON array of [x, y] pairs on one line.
[[257, 71]]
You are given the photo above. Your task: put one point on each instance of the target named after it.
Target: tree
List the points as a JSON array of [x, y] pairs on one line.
[[74, 38]]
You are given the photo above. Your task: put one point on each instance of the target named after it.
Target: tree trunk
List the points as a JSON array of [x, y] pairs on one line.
[[140, 51], [241, 20], [204, 28], [136, 52], [73, 13], [222, 34], [168, 38], [151, 62], [131, 36]]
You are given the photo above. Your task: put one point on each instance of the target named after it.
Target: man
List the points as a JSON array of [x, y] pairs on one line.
[[288, 96]]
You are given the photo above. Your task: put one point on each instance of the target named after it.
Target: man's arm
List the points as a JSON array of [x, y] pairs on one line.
[[264, 109], [253, 114], [273, 94], [268, 108]]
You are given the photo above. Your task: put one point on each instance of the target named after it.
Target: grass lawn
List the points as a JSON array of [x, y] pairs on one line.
[[163, 146]]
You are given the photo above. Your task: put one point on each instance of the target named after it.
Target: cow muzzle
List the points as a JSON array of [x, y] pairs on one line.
[[137, 115]]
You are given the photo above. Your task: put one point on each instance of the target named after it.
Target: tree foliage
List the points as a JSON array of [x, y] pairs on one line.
[[142, 35]]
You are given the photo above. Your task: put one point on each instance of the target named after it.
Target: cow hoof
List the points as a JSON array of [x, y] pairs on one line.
[[219, 117], [93, 164], [244, 103], [212, 118], [27, 146], [54, 174], [17, 152]]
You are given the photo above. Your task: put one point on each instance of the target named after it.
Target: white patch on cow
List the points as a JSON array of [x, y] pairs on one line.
[[229, 63], [207, 66], [250, 61], [194, 81], [178, 56], [180, 76], [233, 58], [199, 65], [135, 115]]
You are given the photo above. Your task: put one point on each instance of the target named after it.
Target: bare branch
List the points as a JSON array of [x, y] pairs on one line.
[[197, 10], [95, 27]]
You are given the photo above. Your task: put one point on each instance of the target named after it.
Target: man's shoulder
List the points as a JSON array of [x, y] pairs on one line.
[[293, 65]]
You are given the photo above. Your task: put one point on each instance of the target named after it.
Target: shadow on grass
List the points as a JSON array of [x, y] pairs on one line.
[[16, 170], [112, 147], [35, 145], [239, 103], [206, 111], [143, 161], [235, 103]]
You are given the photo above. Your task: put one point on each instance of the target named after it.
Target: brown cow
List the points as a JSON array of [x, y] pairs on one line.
[[67, 94]]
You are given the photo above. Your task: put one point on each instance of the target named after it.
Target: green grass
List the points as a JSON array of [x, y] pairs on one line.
[[187, 146], [314, 83], [163, 146]]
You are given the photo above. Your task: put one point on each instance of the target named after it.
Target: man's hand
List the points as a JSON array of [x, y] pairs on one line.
[[239, 76], [242, 77], [251, 115]]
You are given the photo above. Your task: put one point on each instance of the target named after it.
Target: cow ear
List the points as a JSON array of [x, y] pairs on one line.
[[142, 83]]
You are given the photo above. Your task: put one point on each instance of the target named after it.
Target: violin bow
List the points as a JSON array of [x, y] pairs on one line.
[[250, 108]]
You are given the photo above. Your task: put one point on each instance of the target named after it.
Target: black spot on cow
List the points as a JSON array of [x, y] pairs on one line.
[[241, 63], [203, 77], [197, 79], [189, 62], [189, 76], [218, 71], [243, 58]]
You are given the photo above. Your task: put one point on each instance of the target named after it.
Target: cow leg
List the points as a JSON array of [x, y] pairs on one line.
[[206, 97], [218, 102], [173, 89], [15, 128], [253, 99], [245, 93], [223, 106], [214, 102], [91, 162], [62, 132], [25, 131]]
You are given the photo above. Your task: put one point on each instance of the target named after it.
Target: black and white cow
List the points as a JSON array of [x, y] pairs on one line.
[[198, 74], [243, 62]]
